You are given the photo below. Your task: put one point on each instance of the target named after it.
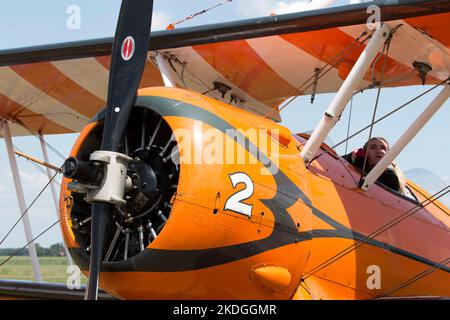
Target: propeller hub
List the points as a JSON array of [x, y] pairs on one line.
[[112, 188], [146, 178]]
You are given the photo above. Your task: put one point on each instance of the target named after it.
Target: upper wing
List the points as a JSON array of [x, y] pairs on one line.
[[57, 88]]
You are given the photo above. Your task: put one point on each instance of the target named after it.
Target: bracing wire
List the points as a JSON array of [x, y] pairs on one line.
[[349, 123], [34, 239], [417, 277], [184, 70], [382, 118], [172, 25], [385, 53], [29, 207], [378, 231], [331, 64], [34, 164], [299, 90], [46, 185], [39, 137]]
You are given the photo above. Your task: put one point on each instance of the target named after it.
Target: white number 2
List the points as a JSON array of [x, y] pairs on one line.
[[234, 202]]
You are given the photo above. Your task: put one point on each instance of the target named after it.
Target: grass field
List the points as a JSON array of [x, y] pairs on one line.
[[53, 269]]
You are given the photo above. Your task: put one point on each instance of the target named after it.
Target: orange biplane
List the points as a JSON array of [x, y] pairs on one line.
[[188, 188]]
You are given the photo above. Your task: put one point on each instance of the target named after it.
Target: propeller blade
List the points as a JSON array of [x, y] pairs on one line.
[[99, 221], [129, 56], [127, 65]]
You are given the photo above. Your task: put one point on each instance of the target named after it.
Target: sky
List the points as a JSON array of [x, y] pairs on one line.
[[27, 23]]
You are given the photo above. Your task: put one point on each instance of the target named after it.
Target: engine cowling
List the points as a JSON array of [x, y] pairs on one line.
[[212, 210]]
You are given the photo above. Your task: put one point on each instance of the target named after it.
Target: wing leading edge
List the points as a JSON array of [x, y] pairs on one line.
[[58, 88]]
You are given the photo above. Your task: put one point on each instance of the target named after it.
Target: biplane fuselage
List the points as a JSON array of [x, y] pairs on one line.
[[284, 219], [176, 195]]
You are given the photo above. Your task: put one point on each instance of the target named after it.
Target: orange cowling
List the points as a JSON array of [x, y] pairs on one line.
[[208, 249]]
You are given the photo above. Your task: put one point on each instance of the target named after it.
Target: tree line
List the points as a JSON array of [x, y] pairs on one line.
[[55, 250]]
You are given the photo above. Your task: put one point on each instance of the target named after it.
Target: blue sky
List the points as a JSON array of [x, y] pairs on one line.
[[26, 23]]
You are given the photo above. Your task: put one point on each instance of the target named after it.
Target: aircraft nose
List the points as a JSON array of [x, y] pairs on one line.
[[151, 182]]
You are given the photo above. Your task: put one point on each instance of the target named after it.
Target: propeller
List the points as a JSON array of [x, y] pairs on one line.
[[129, 55]]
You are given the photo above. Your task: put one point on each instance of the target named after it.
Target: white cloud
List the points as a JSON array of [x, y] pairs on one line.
[[160, 20]]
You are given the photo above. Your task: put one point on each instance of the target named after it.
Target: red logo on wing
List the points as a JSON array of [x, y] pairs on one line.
[[127, 49]]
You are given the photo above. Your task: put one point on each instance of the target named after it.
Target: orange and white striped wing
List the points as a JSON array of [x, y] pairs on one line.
[[271, 69], [61, 96]]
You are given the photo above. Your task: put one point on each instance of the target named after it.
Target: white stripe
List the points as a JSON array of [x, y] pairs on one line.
[[87, 73], [409, 45], [293, 64], [203, 70], [22, 92]]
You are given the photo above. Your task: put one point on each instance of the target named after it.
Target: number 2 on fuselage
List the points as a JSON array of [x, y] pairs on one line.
[[234, 203]]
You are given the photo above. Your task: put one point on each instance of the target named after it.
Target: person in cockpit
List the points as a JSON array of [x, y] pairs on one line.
[[369, 155]]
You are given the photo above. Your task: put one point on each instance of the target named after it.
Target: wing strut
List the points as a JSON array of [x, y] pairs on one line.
[[409, 134], [53, 188], [21, 199], [337, 106], [164, 69]]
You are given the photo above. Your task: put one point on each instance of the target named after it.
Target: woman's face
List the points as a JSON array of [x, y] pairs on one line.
[[376, 149]]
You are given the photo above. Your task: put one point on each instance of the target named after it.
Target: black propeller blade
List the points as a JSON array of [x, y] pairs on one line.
[[129, 55], [127, 65]]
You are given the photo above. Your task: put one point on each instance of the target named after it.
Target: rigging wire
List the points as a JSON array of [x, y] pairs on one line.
[[378, 231], [36, 165], [331, 64], [385, 53], [39, 137], [417, 277], [172, 25], [435, 204], [183, 66], [349, 123], [51, 178], [349, 49], [32, 162], [29, 207], [348, 133], [184, 70], [299, 90], [386, 81], [382, 118], [34, 239]]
